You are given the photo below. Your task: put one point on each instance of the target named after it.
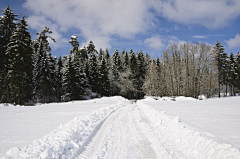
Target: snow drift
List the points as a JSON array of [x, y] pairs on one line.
[[68, 140], [189, 141]]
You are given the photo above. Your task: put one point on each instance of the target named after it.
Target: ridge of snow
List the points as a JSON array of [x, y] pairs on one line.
[[68, 140], [189, 141]]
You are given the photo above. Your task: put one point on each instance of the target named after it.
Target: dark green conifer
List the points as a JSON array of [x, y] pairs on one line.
[[7, 27], [20, 63]]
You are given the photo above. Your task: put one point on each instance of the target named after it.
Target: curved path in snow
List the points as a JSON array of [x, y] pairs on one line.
[[128, 133], [126, 130]]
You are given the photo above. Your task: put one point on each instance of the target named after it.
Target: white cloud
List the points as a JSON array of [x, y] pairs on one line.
[[208, 13], [174, 39], [99, 21], [234, 42], [200, 36], [39, 22], [155, 42], [96, 20]]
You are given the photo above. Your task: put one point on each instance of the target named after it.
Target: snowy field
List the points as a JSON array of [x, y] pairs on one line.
[[112, 127]]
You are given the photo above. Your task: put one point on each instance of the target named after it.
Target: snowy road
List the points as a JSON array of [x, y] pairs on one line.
[[128, 133], [125, 130]]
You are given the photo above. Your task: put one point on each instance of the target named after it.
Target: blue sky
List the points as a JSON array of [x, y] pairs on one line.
[[147, 25]]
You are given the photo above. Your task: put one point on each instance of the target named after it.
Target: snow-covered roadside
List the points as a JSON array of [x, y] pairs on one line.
[[68, 139], [187, 140], [217, 119], [129, 130], [21, 125]]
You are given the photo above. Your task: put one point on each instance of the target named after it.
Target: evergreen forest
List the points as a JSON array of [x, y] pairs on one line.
[[29, 73]]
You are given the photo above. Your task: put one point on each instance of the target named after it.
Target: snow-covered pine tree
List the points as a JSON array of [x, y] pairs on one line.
[[100, 55], [232, 73], [52, 97], [59, 89], [237, 61], [20, 63], [124, 59], [115, 70], [221, 59], [134, 72], [83, 55], [42, 73], [108, 59], [79, 66], [7, 26], [92, 67], [71, 81], [141, 73], [104, 83], [75, 44]]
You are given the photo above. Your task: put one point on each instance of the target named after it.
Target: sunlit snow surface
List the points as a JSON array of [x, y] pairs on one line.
[[112, 127], [218, 119], [21, 125]]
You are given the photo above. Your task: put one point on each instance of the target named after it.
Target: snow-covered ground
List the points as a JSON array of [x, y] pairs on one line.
[[117, 128], [218, 119], [21, 125]]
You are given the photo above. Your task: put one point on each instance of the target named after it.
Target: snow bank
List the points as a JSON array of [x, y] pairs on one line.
[[148, 98], [189, 141], [178, 98], [182, 98], [68, 140]]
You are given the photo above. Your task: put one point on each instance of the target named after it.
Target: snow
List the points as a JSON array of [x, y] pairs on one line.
[[113, 127], [217, 119], [21, 125], [73, 37]]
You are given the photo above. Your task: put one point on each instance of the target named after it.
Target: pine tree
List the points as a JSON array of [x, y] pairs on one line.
[[237, 61], [93, 74], [108, 59], [141, 73], [7, 27], [92, 67], [59, 74], [75, 44], [100, 55], [42, 73], [115, 70], [104, 83], [70, 81], [79, 65], [221, 59], [91, 48], [124, 59], [20, 63], [52, 97], [134, 72], [232, 73]]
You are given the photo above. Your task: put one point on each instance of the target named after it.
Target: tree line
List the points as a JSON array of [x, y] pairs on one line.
[[30, 74]]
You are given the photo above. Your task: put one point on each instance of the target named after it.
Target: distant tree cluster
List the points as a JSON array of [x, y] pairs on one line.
[[193, 69], [30, 74]]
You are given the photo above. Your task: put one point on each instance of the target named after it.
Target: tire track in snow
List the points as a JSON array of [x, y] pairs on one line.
[[128, 133], [97, 139], [163, 147], [112, 138], [144, 146]]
